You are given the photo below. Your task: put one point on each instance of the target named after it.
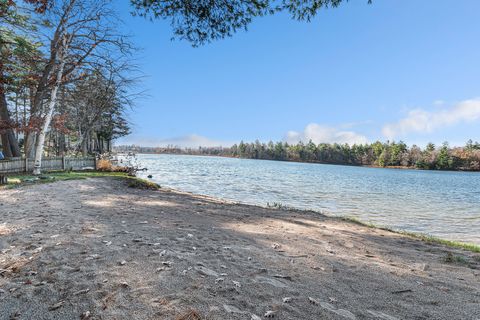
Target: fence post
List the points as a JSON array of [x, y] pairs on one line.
[[26, 164], [94, 162], [63, 163]]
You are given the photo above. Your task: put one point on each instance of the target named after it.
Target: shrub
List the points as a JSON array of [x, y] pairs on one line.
[[142, 184], [104, 165]]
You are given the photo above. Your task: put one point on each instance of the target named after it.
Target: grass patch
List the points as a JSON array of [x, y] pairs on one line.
[[451, 258], [279, 206], [423, 237], [15, 181]]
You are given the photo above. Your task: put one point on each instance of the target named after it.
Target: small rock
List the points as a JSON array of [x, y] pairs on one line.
[[85, 315], [38, 250], [287, 300], [237, 284], [123, 262]]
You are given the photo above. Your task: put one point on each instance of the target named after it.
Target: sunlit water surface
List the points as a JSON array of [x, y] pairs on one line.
[[444, 204]]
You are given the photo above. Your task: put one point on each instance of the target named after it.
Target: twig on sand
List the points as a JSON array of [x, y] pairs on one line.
[[294, 256], [402, 291], [81, 292], [56, 305]]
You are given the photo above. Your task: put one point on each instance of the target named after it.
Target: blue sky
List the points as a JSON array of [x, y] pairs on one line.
[[399, 69]]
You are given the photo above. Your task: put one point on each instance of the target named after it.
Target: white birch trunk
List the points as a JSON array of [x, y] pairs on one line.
[[48, 119]]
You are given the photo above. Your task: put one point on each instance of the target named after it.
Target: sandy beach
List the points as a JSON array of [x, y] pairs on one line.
[[96, 249]]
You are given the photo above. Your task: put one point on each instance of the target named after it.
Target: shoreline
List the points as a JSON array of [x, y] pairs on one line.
[[76, 246], [425, 237], [142, 183]]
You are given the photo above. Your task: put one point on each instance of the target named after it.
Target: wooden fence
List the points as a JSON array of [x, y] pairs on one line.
[[20, 165]]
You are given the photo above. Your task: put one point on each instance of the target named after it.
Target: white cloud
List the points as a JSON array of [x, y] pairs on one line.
[[422, 121], [188, 141], [325, 134]]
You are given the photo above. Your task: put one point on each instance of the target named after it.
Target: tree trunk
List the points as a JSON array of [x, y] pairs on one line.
[[40, 144], [61, 145], [9, 142], [84, 147]]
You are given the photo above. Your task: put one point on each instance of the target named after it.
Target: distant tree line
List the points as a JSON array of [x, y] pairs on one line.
[[380, 154]]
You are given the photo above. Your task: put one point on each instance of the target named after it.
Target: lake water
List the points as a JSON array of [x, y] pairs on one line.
[[444, 204]]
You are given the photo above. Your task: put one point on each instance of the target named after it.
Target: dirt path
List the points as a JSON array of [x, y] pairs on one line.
[[94, 249]]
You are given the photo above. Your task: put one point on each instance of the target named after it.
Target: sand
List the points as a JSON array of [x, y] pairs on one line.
[[95, 249]]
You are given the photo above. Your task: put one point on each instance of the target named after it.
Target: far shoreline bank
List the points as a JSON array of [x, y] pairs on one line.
[[311, 162]]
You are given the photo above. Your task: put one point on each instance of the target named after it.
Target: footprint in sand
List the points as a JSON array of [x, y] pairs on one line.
[[341, 312], [381, 315]]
